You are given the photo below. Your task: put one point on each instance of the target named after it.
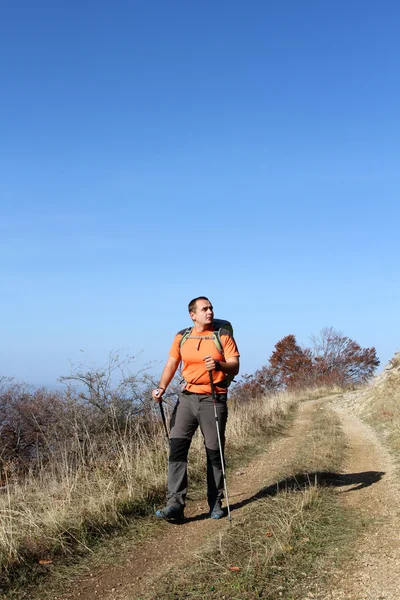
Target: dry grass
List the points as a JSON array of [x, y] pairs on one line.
[[61, 508], [62, 505], [381, 403], [266, 413]]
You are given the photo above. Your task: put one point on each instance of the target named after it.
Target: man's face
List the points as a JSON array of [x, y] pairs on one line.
[[203, 313]]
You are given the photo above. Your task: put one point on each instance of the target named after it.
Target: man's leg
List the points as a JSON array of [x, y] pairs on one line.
[[215, 478], [183, 426]]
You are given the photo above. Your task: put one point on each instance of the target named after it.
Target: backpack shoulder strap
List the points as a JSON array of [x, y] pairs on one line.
[[185, 335], [217, 338]]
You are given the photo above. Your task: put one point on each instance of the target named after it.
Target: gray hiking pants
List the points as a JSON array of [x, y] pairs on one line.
[[191, 411]]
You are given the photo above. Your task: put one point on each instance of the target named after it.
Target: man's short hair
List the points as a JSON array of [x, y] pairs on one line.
[[192, 303]]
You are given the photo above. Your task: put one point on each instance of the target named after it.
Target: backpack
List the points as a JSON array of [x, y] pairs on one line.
[[218, 324]]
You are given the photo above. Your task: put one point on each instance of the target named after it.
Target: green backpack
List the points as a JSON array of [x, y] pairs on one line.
[[219, 325]]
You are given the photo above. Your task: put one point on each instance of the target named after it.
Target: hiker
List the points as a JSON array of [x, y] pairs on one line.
[[200, 354]]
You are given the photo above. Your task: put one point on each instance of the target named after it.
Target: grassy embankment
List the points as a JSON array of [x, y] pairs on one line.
[[381, 405], [63, 508]]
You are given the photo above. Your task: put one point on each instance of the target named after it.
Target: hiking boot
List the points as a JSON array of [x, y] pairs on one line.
[[173, 512], [217, 511]]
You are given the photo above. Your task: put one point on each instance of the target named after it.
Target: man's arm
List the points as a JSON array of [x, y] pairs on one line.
[[168, 372], [230, 367]]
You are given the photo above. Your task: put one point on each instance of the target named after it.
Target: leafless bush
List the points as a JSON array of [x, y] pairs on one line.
[[98, 409]]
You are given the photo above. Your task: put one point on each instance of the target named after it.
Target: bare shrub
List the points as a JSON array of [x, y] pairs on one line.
[[113, 389], [32, 424], [339, 359]]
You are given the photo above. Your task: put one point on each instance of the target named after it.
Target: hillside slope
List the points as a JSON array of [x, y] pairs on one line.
[[366, 485]]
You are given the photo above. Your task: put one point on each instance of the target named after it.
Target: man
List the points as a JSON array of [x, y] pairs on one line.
[[200, 355]]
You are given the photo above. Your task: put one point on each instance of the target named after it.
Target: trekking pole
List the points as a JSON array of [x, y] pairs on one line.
[[219, 443], [163, 419]]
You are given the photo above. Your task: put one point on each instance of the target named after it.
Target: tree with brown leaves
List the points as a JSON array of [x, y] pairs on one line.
[[291, 364], [333, 359]]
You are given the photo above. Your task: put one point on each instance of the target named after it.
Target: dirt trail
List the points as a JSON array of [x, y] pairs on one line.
[[375, 574]]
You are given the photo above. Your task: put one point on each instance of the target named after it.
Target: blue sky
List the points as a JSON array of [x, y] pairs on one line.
[[151, 152]]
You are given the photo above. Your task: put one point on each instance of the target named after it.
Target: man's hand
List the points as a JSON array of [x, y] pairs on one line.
[[211, 364], [230, 367], [158, 394]]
